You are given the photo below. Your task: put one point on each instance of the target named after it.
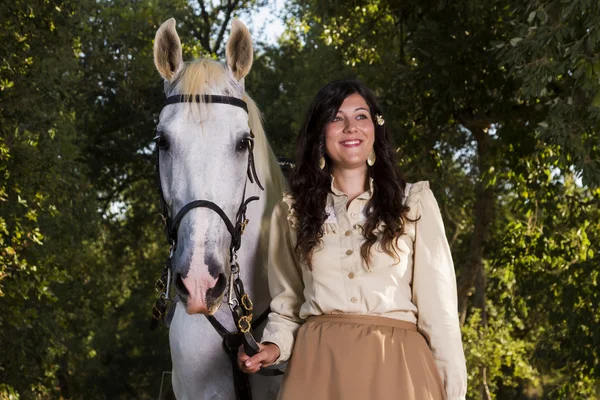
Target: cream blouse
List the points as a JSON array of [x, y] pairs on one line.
[[421, 288]]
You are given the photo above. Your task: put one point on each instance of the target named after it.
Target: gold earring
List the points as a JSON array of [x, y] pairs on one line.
[[372, 158], [322, 162], [379, 119]]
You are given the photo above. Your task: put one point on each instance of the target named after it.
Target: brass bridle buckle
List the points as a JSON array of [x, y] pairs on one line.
[[245, 323], [247, 303], [159, 308], [159, 285], [156, 313], [243, 226]]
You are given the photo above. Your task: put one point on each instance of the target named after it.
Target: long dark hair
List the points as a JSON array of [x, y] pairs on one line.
[[310, 184]]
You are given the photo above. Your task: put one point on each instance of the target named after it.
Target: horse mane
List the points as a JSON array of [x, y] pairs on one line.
[[201, 76], [206, 76], [272, 177], [262, 150]]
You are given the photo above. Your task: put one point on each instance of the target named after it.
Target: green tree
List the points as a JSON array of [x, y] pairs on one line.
[[48, 206], [553, 50]]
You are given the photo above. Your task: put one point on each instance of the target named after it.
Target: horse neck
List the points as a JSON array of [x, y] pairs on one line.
[[255, 241]]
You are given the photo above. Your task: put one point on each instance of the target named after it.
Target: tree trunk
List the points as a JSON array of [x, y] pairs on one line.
[[474, 276], [64, 377]]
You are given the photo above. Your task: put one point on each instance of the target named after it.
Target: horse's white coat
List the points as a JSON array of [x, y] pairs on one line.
[[202, 163]]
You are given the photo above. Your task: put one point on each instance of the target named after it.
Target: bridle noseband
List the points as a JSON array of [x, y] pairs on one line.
[[239, 302]]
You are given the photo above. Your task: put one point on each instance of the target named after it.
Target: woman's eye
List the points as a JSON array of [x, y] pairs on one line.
[[361, 116], [336, 119], [244, 144]]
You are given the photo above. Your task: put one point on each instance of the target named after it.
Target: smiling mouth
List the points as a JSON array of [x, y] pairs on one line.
[[351, 143]]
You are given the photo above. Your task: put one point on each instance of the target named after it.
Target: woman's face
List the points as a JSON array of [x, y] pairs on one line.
[[350, 136]]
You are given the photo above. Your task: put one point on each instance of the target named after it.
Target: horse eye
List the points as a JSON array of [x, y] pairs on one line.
[[244, 144], [161, 142]]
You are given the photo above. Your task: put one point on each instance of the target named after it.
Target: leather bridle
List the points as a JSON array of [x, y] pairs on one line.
[[238, 300]]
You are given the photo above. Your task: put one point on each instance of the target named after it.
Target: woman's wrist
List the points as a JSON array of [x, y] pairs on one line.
[[273, 350]]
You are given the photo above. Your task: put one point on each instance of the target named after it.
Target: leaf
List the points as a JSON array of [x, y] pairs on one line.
[[542, 16], [531, 16], [543, 124], [596, 100], [515, 41]]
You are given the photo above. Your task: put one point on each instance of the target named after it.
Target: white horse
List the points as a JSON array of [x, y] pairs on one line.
[[203, 153]]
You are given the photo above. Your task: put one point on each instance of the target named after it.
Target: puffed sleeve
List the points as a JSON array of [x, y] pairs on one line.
[[285, 283], [434, 294]]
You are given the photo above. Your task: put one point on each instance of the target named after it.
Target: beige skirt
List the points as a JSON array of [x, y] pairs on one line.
[[347, 357]]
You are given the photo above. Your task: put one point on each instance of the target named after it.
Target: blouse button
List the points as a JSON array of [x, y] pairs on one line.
[[351, 275], [349, 252], [353, 300], [348, 233], [353, 215]]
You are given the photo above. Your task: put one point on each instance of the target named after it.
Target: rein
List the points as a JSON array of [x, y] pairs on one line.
[[238, 300]]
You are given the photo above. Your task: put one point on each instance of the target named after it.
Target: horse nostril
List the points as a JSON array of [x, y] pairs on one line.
[[215, 292], [180, 287]]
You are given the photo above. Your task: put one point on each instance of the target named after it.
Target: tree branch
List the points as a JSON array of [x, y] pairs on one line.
[[229, 9], [448, 217], [205, 36]]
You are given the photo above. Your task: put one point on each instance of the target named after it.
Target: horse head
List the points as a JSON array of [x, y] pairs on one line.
[[204, 152]]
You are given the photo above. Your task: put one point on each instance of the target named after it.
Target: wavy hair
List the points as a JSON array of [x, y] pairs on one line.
[[309, 185]]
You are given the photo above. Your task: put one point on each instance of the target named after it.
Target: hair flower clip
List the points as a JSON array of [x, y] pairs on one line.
[[379, 119]]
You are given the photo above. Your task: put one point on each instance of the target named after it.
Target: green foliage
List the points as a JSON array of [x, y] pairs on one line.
[[553, 49], [494, 345], [42, 183], [550, 265]]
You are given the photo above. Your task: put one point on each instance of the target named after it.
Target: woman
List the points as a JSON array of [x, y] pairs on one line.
[[360, 270]]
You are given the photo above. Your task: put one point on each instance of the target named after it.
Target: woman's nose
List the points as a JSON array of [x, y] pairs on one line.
[[350, 126]]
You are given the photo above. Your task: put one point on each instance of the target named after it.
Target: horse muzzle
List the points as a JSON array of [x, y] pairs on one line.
[[201, 294]]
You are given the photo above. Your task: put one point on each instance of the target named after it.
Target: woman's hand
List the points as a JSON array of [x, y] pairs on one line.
[[267, 354]]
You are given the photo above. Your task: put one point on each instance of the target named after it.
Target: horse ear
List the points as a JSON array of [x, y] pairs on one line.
[[167, 50], [239, 50]]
